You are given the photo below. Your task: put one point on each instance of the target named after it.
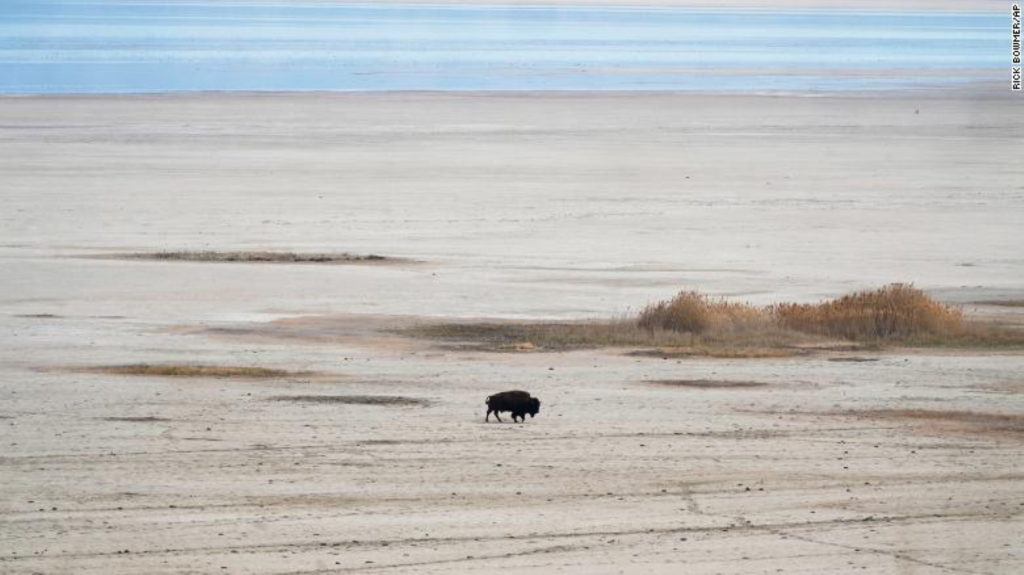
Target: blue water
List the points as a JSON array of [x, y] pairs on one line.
[[151, 46]]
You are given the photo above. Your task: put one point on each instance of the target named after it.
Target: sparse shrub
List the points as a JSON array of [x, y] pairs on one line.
[[694, 312], [896, 311]]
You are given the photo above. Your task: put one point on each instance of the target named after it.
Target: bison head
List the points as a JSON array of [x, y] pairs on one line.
[[533, 407]]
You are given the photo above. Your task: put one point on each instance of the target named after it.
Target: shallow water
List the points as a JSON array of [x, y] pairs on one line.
[[97, 46]]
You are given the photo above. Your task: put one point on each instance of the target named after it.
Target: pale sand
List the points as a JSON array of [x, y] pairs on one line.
[[553, 205]]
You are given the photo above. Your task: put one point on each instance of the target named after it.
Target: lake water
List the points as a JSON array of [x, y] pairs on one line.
[[151, 46]]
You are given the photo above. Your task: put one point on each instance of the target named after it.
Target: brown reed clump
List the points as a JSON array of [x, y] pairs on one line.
[[895, 311], [694, 312]]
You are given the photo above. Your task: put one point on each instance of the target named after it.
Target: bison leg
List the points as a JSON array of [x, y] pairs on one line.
[[496, 416], [488, 416]]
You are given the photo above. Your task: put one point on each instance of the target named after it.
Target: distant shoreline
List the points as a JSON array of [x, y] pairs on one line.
[[986, 90], [858, 6]]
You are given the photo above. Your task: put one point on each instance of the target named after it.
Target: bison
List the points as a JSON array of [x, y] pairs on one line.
[[518, 402]]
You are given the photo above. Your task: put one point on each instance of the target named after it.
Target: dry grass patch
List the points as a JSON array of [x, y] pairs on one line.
[[896, 311], [550, 336], [258, 257], [189, 370], [693, 312], [395, 400], [692, 324], [563, 336], [709, 383], [976, 335], [898, 314]]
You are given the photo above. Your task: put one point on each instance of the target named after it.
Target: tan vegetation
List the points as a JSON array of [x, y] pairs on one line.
[[896, 311], [694, 324], [258, 257], [697, 313], [190, 370]]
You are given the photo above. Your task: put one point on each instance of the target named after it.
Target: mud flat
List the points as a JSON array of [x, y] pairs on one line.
[[382, 460], [251, 418]]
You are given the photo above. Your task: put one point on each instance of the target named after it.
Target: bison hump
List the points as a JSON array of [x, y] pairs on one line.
[[514, 395]]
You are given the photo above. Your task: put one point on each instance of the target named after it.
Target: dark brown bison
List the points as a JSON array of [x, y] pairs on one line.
[[518, 402]]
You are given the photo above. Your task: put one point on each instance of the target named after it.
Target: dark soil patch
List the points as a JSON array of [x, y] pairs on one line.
[[1009, 387], [709, 383], [188, 370], [258, 257], [146, 419], [1002, 302], [394, 400], [723, 352], [1000, 425], [853, 359]]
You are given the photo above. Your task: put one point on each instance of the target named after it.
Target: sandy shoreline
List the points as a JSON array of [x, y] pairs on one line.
[[357, 449]]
